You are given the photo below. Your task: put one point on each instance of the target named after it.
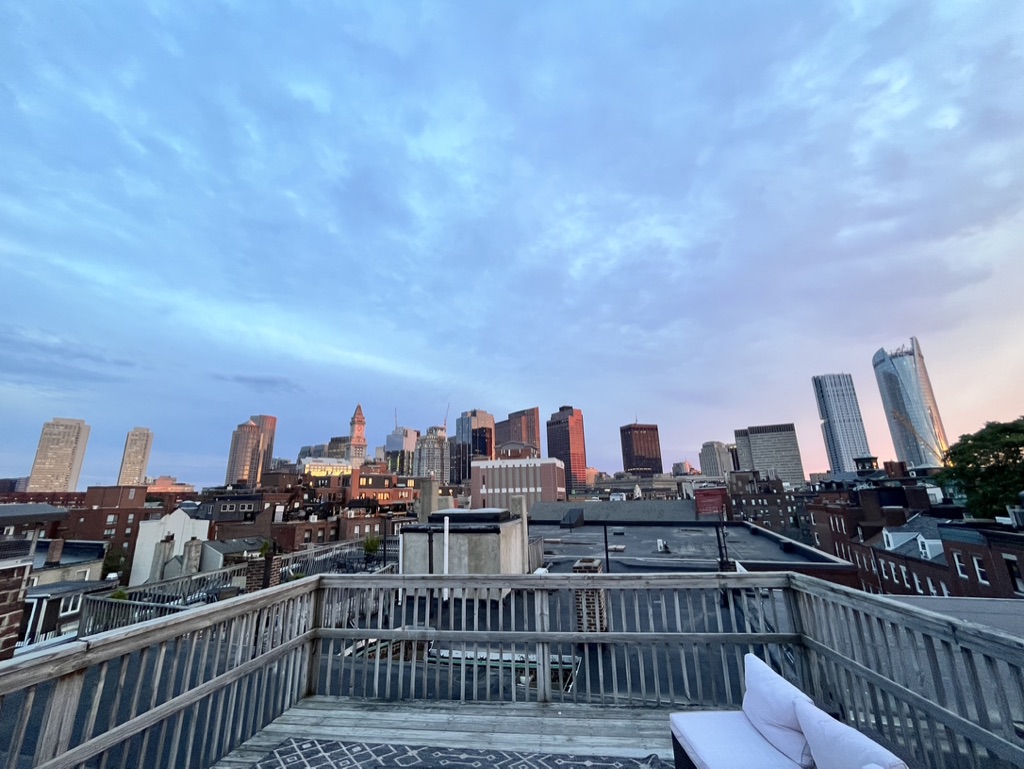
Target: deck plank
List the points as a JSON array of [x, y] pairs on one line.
[[532, 727]]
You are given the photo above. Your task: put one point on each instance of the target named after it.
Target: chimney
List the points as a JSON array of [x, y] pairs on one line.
[[54, 552], [193, 553], [163, 551]]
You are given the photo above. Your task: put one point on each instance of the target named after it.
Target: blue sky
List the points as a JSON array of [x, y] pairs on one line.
[[673, 212]]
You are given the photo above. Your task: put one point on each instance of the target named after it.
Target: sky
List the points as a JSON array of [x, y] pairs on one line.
[[669, 212]]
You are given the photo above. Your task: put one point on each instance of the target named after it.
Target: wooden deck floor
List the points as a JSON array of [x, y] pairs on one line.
[[548, 728]]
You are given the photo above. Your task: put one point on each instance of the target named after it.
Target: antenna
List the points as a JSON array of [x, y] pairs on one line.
[[447, 409], [396, 417]]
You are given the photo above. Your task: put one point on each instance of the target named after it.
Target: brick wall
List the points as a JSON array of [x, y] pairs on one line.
[[12, 601]]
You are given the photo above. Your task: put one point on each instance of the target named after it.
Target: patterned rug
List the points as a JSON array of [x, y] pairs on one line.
[[322, 754]]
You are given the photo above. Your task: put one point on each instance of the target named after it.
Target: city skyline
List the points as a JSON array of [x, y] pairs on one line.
[[681, 210]]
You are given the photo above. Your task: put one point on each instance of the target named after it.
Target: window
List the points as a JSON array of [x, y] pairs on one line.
[[906, 580], [82, 574], [881, 569], [109, 533], [961, 568], [70, 605], [8, 531], [131, 517], [979, 569], [128, 531], [111, 519], [931, 587], [229, 508], [1016, 578], [917, 584], [356, 531]]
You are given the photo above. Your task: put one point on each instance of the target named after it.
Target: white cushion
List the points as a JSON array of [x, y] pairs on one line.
[[725, 739], [768, 703], [835, 745]]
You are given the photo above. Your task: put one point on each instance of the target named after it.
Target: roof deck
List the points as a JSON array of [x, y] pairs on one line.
[[189, 689], [590, 730]]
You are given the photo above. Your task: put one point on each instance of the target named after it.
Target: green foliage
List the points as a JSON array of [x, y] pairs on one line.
[[265, 549], [989, 467], [119, 595], [371, 545]]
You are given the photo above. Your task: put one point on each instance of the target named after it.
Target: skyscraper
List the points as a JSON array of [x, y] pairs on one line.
[[59, 457], [268, 428], [910, 408], [715, 459], [400, 449], [841, 423], [252, 450], [476, 428], [524, 427], [135, 459], [771, 449], [566, 441], [432, 458], [641, 449]]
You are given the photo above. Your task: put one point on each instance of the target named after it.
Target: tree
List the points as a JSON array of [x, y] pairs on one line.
[[989, 466]]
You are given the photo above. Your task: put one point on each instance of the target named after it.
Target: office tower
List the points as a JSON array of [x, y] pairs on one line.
[[400, 450], [641, 449], [337, 448], [773, 450], [734, 455], [841, 423], [432, 458], [715, 459], [268, 429], [467, 425], [566, 441], [58, 461], [135, 459], [355, 450], [252, 446], [524, 427], [502, 432], [910, 408], [473, 439], [744, 458]]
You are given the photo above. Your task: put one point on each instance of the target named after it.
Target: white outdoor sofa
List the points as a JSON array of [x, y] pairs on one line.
[[778, 728]]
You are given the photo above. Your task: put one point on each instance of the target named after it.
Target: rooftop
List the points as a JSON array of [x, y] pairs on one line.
[[687, 547], [497, 662]]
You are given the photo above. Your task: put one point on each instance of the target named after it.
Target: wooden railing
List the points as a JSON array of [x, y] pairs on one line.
[[185, 690], [156, 599]]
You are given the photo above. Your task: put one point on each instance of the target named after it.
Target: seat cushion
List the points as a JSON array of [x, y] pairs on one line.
[[835, 745], [725, 739], [768, 703]]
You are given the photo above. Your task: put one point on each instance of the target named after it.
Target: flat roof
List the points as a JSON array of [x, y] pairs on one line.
[[1000, 613], [30, 512], [690, 547]]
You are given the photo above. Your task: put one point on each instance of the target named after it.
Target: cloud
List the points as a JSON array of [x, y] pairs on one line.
[[261, 384], [500, 205]]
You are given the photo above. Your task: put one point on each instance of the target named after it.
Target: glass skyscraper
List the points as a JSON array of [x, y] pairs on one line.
[[914, 422], [841, 423]]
